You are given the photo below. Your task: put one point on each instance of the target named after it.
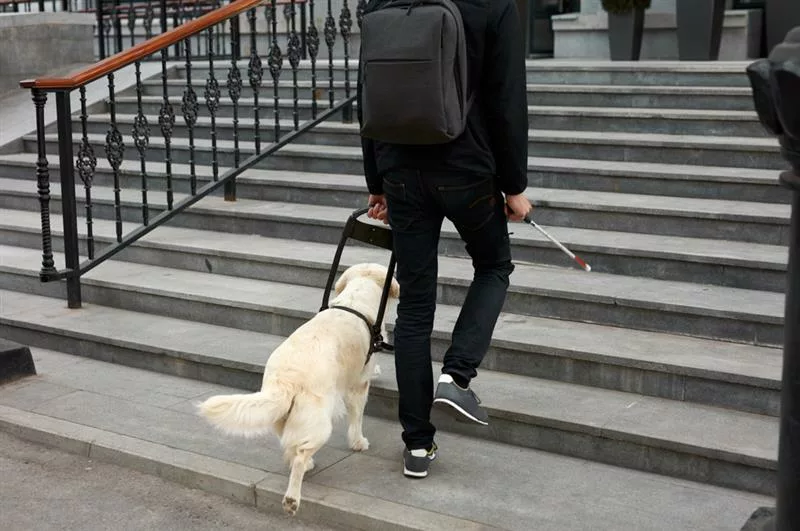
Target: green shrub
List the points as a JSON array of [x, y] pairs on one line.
[[620, 7]]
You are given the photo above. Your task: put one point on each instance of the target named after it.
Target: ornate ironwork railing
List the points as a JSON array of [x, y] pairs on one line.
[[123, 23], [76, 154], [127, 22]]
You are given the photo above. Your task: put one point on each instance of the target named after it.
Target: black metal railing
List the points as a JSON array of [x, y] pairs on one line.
[[41, 6], [125, 23], [138, 176]]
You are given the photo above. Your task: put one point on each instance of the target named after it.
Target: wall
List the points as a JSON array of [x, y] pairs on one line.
[[36, 43]]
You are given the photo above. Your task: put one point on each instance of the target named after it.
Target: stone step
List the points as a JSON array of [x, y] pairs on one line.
[[654, 121], [771, 227], [685, 217], [112, 419], [553, 71], [750, 151], [740, 152], [741, 377], [706, 261], [728, 263], [306, 90], [196, 457], [703, 218], [658, 73], [674, 180], [642, 96], [151, 105], [539, 94], [714, 445], [713, 312], [675, 122]]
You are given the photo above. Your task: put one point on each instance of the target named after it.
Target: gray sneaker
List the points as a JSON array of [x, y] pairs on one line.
[[463, 404], [417, 462]]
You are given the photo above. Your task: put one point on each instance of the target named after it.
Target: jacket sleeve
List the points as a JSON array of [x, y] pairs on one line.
[[374, 181], [506, 103]]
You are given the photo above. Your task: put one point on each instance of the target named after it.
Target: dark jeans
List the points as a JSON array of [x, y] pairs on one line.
[[417, 203]]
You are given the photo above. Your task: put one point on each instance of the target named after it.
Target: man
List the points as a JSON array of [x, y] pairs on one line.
[[414, 187]]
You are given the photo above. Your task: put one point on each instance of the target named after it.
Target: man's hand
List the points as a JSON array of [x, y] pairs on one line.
[[517, 207], [377, 208]]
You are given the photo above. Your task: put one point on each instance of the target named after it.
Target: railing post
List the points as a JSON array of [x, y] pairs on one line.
[[43, 187], [101, 41], [345, 28], [117, 26], [68, 203], [234, 90], [163, 15], [303, 33], [236, 39]]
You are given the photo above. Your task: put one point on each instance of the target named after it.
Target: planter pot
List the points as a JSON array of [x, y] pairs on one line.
[[699, 29], [625, 35]]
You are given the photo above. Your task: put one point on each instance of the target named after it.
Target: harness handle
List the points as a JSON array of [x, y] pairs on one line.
[[355, 228]]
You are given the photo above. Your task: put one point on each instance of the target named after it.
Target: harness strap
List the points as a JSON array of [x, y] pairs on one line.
[[376, 340]]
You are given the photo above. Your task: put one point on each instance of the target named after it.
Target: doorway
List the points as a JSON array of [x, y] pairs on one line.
[[540, 38]]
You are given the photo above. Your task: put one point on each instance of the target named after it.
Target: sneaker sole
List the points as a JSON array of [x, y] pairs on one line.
[[456, 411], [417, 475]]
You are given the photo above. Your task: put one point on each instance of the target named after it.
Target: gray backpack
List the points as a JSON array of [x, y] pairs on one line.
[[414, 72]]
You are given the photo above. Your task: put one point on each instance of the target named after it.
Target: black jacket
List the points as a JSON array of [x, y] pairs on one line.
[[495, 141]]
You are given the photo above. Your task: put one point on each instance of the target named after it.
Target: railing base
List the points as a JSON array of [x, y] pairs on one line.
[[763, 519], [74, 292], [230, 190]]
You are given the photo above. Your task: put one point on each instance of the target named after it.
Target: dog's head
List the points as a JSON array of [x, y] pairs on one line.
[[374, 272]]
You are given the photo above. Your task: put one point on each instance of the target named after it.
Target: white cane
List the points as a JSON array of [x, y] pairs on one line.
[[578, 260]]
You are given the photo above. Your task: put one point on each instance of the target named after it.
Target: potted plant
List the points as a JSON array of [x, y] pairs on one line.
[[625, 28], [699, 29]]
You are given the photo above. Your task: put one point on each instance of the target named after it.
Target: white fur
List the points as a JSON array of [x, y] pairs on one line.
[[317, 374]]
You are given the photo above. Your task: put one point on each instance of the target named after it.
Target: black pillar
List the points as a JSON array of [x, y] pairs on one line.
[[776, 92]]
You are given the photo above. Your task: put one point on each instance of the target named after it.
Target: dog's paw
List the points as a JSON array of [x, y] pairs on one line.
[[360, 445], [290, 505], [310, 465]]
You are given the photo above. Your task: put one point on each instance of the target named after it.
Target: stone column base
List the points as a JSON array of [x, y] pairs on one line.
[[15, 361], [585, 36]]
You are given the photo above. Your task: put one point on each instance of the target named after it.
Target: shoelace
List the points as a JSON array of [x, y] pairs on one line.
[[478, 400]]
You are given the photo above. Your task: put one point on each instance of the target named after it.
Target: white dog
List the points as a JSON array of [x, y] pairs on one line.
[[313, 377]]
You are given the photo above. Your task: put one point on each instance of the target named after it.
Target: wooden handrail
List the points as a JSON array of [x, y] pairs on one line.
[[143, 49]]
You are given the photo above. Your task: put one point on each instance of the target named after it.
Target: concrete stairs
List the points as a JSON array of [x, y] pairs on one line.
[[145, 421], [665, 359]]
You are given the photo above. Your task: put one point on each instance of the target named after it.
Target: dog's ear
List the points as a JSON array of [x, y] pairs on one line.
[[343, 280]]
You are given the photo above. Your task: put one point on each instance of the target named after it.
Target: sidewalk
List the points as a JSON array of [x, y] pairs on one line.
[[45, 489], [145, 421]]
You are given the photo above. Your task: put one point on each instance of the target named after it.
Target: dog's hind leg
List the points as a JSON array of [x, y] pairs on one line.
[[356, 400], [291, 500], [307, 429]]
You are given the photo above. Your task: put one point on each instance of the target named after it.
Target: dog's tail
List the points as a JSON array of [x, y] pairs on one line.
[[248, 414]]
